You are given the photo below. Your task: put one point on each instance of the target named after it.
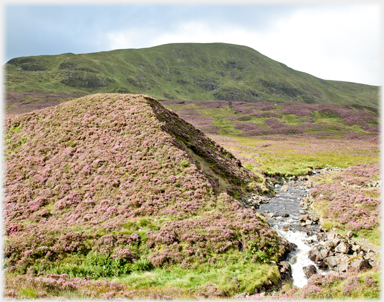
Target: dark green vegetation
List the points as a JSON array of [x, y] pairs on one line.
[[117, 186], [187, 71]]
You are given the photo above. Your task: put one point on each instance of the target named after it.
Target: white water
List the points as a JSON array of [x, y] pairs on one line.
[[299, 258]]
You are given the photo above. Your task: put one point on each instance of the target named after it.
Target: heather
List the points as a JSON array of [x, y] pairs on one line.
[[350, 201], [113, 185], [260, 119], [350, 285]]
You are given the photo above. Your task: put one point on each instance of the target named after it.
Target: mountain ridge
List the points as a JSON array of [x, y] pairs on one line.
[[182, 71]]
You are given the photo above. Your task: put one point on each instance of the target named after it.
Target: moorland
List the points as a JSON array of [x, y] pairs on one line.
[[116, 195]]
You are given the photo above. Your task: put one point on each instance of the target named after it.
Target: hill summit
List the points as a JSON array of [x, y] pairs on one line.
[[180, 71], [109, 184]]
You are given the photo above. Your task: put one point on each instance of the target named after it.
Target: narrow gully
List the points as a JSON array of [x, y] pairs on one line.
[[283, 213]]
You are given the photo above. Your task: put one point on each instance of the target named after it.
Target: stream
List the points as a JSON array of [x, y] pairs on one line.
[[283, 212]]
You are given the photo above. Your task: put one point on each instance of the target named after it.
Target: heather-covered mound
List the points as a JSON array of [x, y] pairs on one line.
[[111, 184]]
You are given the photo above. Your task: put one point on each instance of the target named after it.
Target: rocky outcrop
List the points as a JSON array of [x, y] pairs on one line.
[[340, 253]]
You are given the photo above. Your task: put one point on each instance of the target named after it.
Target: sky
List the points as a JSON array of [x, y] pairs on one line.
[[330, 40]]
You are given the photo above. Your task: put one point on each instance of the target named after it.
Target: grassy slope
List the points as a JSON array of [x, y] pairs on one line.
[[188, 71], [116, 186]]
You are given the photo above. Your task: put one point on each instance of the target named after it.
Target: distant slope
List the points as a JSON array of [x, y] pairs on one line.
[[260, 118], [186, 71]]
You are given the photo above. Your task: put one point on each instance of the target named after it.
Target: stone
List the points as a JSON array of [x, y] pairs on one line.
[[302, 212], [284, 188], [342, 267], [321, 264], [308, 222], [359, 264], [285, 270], [285, 215], [309, 270], [350, 234], [322, 254], [313, 253], [331, 261], [343, 247], [331, 236], [304, 217], [336, 241], [356, 248]]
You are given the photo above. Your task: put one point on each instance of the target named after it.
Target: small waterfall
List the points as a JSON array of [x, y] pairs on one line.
[[298, 258], [287, 201]]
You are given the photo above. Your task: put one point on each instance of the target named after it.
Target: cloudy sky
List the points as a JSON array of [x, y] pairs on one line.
[[335, 41]]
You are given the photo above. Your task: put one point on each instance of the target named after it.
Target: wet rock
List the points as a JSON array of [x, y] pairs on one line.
[[304, 217], [293, 246], [285, 270], [321, 264], [285, 215], [309, 270], [286, 227]]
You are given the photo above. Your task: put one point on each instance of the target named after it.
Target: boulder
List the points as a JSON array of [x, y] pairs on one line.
[[331, 261], [343, 248], [304, 217], [309, 270], [285, 270], [350, 234], [318, 253], [359, 264]]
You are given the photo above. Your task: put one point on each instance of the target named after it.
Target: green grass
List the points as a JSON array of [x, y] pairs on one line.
[[186, 71], [296, 156], [237, 276]]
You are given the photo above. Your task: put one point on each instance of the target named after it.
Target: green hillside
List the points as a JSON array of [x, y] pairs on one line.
[[186, 71]]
